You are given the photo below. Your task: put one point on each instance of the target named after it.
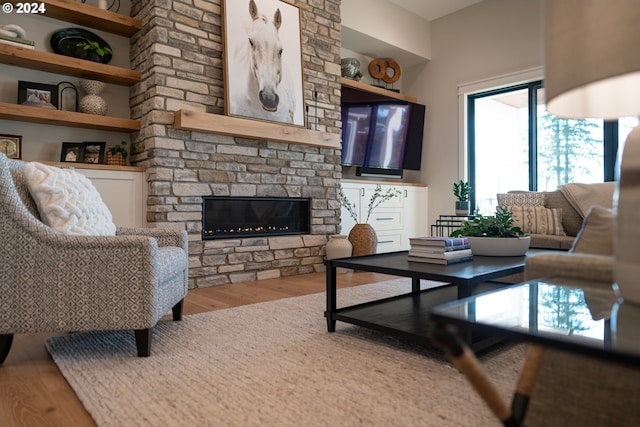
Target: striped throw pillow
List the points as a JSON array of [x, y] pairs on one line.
[[554, 222], [531, 219], [538, 220]]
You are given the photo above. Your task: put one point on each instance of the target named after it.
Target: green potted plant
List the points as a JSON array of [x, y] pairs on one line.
[[494, 235], [461, 191], [362, 236], [117, 155], [95, 52]]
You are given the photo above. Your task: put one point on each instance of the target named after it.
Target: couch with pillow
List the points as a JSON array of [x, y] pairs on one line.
[[554, 218]]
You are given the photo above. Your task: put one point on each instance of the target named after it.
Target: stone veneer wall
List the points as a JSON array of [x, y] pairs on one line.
[[179, 52]]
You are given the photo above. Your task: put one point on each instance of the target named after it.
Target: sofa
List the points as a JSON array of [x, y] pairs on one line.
[[553, 218]]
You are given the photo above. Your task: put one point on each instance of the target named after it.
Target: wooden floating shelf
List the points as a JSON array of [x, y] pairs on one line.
[[90, 16], [66, 118], [377, 90], [234, 126], [60, 64]]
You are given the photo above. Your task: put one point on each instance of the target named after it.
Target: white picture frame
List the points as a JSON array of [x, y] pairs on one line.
[[263, 61]]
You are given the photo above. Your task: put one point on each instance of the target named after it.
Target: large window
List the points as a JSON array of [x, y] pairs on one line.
[[514, 144]]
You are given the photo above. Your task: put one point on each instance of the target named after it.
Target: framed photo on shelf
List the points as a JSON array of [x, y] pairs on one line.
[[263, 79], [72, 152], [11, 145], [94, 152], [38, 95]]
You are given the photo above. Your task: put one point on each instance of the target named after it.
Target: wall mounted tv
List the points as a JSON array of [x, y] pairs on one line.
[[379, 134]]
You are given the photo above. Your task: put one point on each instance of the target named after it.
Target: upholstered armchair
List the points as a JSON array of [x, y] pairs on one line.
[[572, 389], [56, 282]]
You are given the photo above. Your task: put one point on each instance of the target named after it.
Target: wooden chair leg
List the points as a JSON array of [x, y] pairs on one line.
[[5, 345], [143, 342], [177, 310]]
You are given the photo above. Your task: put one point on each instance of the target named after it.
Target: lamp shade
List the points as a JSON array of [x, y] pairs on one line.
[[592, 65]]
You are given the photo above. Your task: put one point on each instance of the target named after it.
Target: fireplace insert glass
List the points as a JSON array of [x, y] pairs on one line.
[[225, 217]]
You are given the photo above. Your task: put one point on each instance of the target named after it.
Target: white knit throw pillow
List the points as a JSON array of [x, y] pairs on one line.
[[68, 201]]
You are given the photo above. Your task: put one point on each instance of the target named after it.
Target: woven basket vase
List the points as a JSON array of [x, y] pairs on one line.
[[116, 159], [364, 240]]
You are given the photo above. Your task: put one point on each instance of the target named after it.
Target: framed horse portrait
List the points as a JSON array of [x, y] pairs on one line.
[[263, 61]]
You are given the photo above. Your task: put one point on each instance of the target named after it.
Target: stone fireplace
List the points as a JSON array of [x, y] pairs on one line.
[[179, 52]]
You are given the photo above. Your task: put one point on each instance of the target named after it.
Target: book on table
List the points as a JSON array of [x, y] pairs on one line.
[[439, 249], [440, 255], [439, 241], [442, 261]]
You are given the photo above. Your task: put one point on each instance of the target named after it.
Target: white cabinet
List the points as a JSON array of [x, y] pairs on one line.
[[124, 192], [395, 220]]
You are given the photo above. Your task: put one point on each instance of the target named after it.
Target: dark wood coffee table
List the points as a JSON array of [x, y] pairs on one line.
[[408, 315]]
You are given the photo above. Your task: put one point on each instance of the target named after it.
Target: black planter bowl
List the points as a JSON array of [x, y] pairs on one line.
[[65, 42]]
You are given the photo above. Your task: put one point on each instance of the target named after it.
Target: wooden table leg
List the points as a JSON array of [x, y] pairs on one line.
[[465, 360]]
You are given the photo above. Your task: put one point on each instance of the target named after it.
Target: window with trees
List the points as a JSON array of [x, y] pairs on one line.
[[514, 144]]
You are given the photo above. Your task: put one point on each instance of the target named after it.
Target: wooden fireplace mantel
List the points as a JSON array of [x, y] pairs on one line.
[[234, 126]]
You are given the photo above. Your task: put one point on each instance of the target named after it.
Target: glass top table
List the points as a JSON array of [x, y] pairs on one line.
[[578, 316]]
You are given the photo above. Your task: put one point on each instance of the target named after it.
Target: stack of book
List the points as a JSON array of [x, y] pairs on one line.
[[16, 41], [440, 250]]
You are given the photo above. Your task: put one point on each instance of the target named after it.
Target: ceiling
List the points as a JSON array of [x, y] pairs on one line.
[[433, 9], [426, 9]]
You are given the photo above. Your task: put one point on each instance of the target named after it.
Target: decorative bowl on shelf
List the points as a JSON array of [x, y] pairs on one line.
[[82, 44], [349, 67]]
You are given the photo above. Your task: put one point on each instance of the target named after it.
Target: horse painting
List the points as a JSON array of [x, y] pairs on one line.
[[264, 70]]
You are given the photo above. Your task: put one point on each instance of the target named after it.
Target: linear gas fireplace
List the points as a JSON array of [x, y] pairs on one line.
[[226, 217]]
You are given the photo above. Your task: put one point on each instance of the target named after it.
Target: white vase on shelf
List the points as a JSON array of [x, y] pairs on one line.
[[92, 102]]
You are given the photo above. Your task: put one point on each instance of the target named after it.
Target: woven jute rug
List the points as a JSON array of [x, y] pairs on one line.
[[275, 364]]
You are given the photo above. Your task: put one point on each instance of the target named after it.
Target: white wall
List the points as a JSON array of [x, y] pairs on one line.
[[378, 28], [486, 40]]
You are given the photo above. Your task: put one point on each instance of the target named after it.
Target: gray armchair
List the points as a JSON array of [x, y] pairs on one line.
[[52, 282]]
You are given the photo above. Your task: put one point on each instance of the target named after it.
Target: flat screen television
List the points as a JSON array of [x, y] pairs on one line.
[[356, 121], [382, 134]]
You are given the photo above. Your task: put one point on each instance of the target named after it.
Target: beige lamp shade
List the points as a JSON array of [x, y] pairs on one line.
[[592, 58]]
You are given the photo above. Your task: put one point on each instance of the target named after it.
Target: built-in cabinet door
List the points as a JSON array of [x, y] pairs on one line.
[[395, 220], [124, 193], [354, 194], [415, 211]]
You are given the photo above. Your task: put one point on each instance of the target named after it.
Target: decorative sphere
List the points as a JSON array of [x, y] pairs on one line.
[[93, 104]]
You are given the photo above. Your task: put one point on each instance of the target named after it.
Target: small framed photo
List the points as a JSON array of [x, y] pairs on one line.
[[38, 95], [11, 145], [94, 152], [72, 152]]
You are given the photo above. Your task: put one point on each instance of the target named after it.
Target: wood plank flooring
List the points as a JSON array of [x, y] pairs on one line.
[[33, 392]]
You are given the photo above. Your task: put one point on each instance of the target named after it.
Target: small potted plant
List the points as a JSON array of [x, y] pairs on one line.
[[494, 235], [95, 52], [117, 155], [461, 191]]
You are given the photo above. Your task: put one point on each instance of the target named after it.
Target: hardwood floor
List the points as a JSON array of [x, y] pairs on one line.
[[33, 392]]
